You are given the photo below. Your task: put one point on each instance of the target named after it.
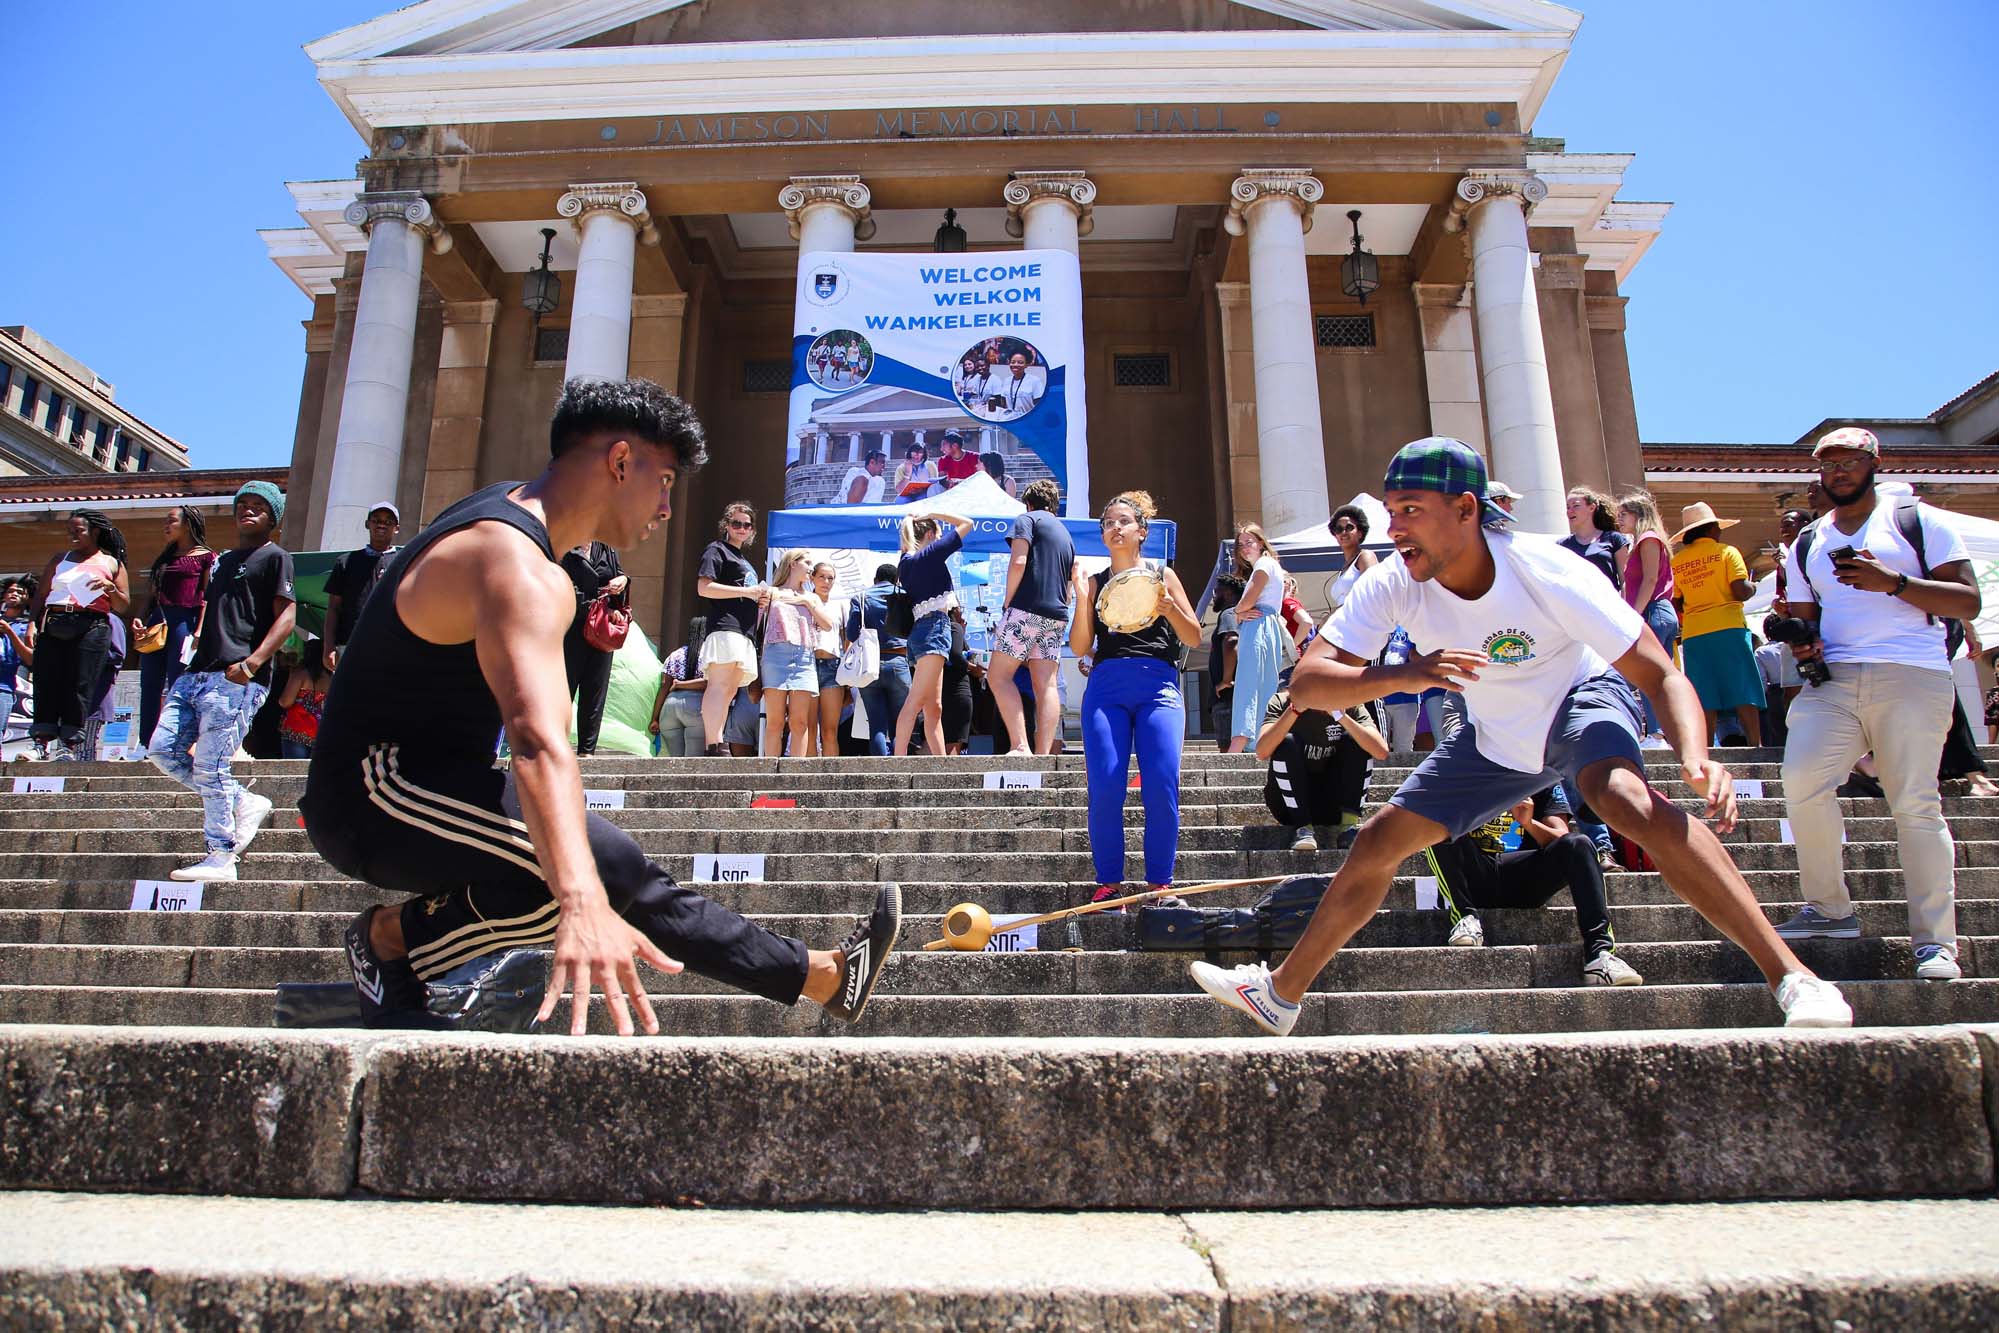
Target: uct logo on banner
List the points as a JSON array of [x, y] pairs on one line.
[[936, 367]]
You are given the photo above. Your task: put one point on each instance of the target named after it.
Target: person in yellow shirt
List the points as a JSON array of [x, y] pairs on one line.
[[1710, 583]]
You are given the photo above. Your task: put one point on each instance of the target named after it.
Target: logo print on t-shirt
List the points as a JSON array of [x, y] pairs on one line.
[[1509, 647]]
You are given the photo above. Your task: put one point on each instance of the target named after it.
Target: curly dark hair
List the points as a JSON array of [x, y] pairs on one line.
[[636, 406], [109, 540], [1354, 512]]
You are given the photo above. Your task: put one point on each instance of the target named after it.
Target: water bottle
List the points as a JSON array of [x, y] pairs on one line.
[[1398, 649]]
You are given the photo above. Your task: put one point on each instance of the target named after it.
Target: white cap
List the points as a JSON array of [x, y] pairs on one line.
[[394, 512], [1499, 490]]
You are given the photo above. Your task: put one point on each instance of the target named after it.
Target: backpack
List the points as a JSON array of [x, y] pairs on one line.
[[1908, 522], [1275, 922]]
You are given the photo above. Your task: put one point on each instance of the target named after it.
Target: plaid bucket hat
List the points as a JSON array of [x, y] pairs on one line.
[[1450, 467]]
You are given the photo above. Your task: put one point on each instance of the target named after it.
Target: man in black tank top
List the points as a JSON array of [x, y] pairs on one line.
[[463, 636]]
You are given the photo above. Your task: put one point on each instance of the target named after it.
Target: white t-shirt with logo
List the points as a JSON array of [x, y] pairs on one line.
[[1548, 622], [1870, 626]]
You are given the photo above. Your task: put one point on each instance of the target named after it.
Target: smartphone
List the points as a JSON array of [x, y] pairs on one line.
[[1839, 553]]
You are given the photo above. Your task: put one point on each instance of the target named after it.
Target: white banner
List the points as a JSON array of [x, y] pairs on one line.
[[892, 353]]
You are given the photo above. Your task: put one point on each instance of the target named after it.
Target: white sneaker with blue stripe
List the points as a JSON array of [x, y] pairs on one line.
[[1247, 987]]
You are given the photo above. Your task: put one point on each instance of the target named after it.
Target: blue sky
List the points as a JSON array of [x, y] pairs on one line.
[[1830, 249]]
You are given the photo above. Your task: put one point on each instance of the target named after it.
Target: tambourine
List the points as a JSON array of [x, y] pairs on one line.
[[1130, 599]]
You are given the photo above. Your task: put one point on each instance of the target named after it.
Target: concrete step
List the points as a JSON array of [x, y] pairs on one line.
[[682, 1012], [127, 1260], [913, 972], [995, 1124]]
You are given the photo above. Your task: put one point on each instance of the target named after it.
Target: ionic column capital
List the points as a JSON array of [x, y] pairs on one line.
[[623, 199], [1072, 188], [1476, 187], [406, 206], [1256, 184], [846, 192]]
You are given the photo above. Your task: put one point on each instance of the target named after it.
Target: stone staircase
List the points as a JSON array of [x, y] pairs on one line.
[[1069, 1137]]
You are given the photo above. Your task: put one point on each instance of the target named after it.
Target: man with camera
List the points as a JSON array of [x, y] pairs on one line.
[[1869, 588]]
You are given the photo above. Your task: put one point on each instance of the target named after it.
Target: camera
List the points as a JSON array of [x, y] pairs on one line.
[[1791, 630]]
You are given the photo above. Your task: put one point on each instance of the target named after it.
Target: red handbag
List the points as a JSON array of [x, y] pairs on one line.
[[606, 623]]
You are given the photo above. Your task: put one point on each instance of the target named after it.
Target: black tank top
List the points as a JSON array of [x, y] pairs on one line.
[[429, 698], [1155, 640]]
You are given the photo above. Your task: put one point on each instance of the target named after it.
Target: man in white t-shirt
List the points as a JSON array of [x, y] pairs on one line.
[[1882, 637], [1545, 653]]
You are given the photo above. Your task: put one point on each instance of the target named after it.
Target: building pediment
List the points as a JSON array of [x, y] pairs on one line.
[[442, 62]]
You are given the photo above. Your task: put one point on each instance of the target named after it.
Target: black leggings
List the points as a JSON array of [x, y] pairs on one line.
[[1960, 748], [589, 671], [455, 836], [1296, 795], [68, 672], [1469, 880]]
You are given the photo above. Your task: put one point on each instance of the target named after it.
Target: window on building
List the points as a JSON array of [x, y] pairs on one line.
[[145, 460], [118, 449], [766, 377], [6, 380], [31, 389], [53, 422], [1142, 370], [551, 344], [1343, 330], [103, 450]]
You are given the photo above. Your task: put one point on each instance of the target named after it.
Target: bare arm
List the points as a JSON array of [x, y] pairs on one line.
[[1335, 680], [1646, 665], [24, 644], [1083, 624], [1273, 733], [756, 592], [1646, 556], [1179, 611], [281, 627], [1016, 569], [1950, 591], [963, 525], [330, 631], [1742, 590], [1364, 735], [1245, 607]]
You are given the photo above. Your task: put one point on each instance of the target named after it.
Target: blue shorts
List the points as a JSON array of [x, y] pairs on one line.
[[1460, 788], [740, 726], [931, 637], [829, 671], [790, 666]]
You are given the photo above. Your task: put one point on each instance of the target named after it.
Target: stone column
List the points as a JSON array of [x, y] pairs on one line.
[[1519, 405], [368, 446], [610, 219], [1273, 206], [826, 212], [458, 411], [1450, 363], [1049, 210], [1558, 277], [1239, 404], [1605, 309]]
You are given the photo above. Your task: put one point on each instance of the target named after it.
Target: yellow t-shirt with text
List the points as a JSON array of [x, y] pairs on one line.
[[1703, 571]]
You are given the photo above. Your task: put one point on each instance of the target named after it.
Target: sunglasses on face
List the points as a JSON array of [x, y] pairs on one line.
[[1345, 527], [739, 523]]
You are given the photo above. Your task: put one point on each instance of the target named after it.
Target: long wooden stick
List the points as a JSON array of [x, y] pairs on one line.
[[1087, 908]]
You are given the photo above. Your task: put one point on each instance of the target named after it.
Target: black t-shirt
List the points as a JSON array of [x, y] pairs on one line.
[[1044, 586], [1318, 733], [351, 579], [1606, 552], [721, 563], [1154, 640], [240, 611]]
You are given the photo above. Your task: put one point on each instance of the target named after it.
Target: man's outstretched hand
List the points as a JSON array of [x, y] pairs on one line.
[[594, 948], [1711, 779], [1447, 668]]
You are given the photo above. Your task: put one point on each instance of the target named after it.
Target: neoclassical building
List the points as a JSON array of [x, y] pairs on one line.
[[1215, 165]]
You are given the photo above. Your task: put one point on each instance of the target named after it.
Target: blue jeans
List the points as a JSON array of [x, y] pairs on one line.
[[1134, 701], [208, 714], [158, 671], [1258, 662], [1665, 623], [883, 700]]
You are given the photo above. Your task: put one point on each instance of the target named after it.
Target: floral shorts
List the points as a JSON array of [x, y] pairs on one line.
[[1027, 637]]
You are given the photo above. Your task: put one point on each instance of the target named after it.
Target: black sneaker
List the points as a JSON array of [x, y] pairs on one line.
[[391, 993], [864, 953]]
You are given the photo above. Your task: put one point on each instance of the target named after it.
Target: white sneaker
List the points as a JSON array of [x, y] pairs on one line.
[[1304, 839], [1655, 742], [1937, 962], [1247, 987], [1808, 1002], [1607, 969], [217, 865], [251, 812], [1469, 933]]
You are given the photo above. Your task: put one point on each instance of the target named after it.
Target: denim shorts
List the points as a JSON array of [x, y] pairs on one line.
[[790, 666], [829, 671], [931, 637], [1458, 787]]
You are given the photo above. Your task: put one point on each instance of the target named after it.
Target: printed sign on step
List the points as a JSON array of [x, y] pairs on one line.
[[1749, 789], [1012, 941], [729, 867], [1426, 893], [165, 895], [603, 799], [22, 785], [1013, 779]]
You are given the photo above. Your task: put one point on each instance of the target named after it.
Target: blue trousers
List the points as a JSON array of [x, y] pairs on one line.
[[883, 700], [205, 718], [158, 671], [1259, 658], [1134, 702]]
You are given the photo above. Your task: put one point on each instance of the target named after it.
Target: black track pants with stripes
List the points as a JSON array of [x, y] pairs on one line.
[[1296, 795], [455, 837], [1469, 880]]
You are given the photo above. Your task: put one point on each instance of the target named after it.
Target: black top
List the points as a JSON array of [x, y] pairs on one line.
[[1156, 640], [722, 563], [241, 593], [351, 579], [429, 698], [1605, 551], [1051, 554], [1318, 733]]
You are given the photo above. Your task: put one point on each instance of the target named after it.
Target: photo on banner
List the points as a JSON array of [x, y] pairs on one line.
[[892, 351]]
